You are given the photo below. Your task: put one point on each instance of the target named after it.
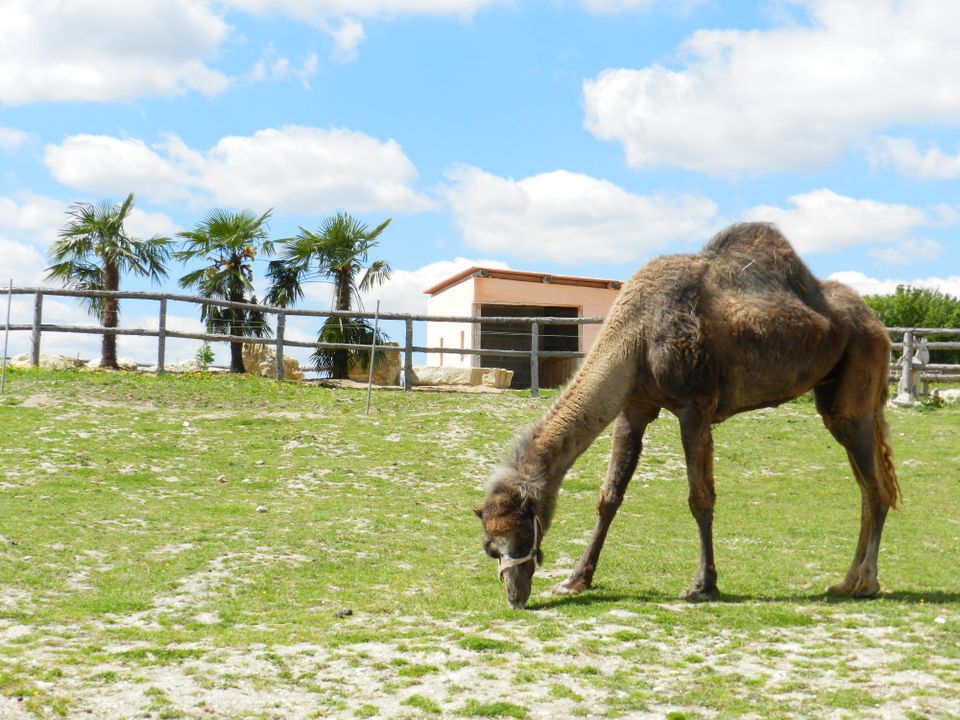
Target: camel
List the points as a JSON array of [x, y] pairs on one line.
[[741, 325]]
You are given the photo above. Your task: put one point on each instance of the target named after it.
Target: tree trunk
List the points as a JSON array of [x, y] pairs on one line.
[[111, 314], [236, 328], [236, 357], [344, 285], [341, 358]]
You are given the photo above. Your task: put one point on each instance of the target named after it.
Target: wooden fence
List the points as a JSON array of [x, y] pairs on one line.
[[162, 333], [907, 346], [902, 370]]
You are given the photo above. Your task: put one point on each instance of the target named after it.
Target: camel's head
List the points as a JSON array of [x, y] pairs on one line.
[[512, 533]]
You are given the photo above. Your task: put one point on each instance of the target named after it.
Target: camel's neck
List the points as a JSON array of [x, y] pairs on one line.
[[592, 400]]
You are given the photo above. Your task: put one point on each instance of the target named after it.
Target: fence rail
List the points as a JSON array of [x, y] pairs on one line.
[[906, 346], [37, 327]]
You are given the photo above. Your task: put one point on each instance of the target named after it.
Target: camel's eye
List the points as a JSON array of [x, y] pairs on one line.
[[490, 549]]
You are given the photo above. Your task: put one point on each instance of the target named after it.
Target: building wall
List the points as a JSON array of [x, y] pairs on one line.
[[593, 302], [457, 300]]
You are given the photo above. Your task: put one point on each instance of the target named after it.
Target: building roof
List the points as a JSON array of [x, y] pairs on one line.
[[521, 276]]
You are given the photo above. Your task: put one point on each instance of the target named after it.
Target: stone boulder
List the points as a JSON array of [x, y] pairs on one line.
[[488, 377], [385, 372], [47, 362], [260, 359], [950, 397], [122, 363]]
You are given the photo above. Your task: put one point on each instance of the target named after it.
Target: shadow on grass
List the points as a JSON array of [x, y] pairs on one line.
[[599, 596]]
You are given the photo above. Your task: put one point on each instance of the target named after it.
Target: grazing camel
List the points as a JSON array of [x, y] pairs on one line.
[[741, 325]]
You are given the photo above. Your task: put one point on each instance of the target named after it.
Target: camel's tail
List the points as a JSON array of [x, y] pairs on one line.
[[887, 473]]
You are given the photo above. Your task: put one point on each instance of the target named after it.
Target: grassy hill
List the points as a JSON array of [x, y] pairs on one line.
[[215, 546]]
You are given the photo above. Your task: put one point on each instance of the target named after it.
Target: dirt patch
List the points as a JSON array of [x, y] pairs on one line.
[[618, 665]]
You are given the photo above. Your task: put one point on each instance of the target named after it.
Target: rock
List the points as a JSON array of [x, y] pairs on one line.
[[903, 400], [489, 377], [261, 509], [122, 363], [950, 397], [260, 359], [184, 366], [497, 377], [385, 372], [47, 362]]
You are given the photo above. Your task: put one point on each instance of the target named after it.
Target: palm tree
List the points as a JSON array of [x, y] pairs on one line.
[[94, 250], [338, 252], [229, 242]]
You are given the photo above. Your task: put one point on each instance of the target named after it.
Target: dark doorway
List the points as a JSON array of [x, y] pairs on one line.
[[516, 336]]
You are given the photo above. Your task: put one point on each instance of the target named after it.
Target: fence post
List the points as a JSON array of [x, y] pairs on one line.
[[906, 366], [281, 325], [534, 359], [408, 356], [35, 336], [162, 337], [6, 338]]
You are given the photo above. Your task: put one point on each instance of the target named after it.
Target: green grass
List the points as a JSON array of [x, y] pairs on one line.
[[211, 532]]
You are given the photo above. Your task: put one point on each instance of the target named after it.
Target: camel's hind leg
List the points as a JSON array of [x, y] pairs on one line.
[[854, 415], [627, 445], [697, 437]]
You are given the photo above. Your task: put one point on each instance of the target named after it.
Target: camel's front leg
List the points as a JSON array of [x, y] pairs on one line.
[[698, 451], [627, 445]]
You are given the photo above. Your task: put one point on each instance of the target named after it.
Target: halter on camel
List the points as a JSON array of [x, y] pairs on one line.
[[506, 562]]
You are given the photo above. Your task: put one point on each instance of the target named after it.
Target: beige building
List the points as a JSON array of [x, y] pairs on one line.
[[487, 292]]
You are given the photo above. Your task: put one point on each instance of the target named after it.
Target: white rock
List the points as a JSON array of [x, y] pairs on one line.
[[260, 359], [490, 377], [188, 365], [387, 371], [47, 362], [950, 397], [122, 363]]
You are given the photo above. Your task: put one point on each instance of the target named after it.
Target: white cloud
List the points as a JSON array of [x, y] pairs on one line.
[[339, 18], [613, 7], [571, 218], [347, 36], [314, 9], [792, 98], [143, 225], [292, 169], [404, 291], [32, 218], [12, 139], [866, 285], [22, 263], [113, 166], [908, 251], [823, 221], [96, 50], [272, 66], [29, 224], [908, 160]]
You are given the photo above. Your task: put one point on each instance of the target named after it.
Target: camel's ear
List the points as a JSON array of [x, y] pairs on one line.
[[478, 512]]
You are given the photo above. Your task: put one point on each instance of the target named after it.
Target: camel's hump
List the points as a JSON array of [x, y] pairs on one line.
[[756, 256], [759, 239]]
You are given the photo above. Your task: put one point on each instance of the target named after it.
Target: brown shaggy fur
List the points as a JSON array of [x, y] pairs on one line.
[[741, 325]]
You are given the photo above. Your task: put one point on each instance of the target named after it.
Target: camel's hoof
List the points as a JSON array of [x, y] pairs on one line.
[[570, 587], [863, 591], [700, 595]]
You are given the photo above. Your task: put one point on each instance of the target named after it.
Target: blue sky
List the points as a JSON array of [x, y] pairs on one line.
[[573, 136]]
